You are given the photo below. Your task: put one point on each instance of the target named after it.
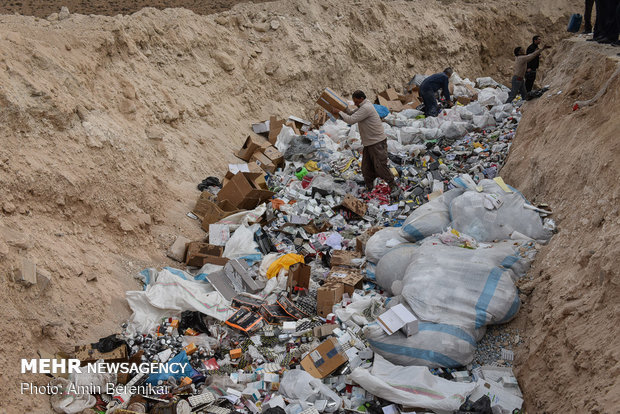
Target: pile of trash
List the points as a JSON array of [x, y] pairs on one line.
[[310, 295]]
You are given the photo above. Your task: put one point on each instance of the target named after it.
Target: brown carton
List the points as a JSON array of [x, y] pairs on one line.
[[344, 257], [354, 205], [463, 100], [329, 98], [360, 241], [298, 275], [213, 212], [389, 94], [327, 296], [263, 162], [324, 359], [242, 192], [274, 155], [199, 253], [275, 126], [252, 144], [350, 278]]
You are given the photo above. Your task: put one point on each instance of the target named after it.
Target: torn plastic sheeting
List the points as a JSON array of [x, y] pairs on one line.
[[67, 401], [185, 371], [283, 262], [284, 139], [169, 295], [412, 386], [434, 345], [244, 218], [469, 288], [302, 387], [149, 276]]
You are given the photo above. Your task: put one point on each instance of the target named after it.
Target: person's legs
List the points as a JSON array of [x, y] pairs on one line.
[[607, 20], [379, 160], [522, 90], [598, 21], [515, 88], [587, 17], [368, 170], [530, 77], [430, 103]]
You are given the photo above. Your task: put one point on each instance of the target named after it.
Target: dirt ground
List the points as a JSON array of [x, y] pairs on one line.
[[109, 122], [43, 9], [571, 160]]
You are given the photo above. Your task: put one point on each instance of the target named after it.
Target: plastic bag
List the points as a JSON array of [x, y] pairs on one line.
[[68, 402], [463, 287], [382, 241], [484, 121], [492, 97], [453, 130], [284, 139], [412, 386], [301, 387], [410, 135], [471, 215], [486, 82], [430, 218], [393, 265], [410, 113], [241, 243]]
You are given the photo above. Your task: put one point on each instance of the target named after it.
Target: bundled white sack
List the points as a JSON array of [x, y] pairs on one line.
[[463, 287], [486, 82], [453, 130], [430, 218], [381, 242], [494, 214], [435, 345], [492, 97], [392, 266], [412, 386], [410, 135]]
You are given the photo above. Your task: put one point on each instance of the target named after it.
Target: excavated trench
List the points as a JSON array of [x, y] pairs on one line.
[[108, 123]]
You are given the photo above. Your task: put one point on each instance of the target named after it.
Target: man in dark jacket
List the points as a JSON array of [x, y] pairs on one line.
[[532, 65], [430, 86]]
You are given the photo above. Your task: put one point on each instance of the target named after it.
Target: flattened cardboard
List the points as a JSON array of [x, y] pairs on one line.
[[210, 212], [327, 296], [389, 94], [350, 278], [200, 253], [463, 100], [330, 98], [252, 144], [324, 359], [344, 257], [275, 126], [354, 205], [298, 276], [242, 192]]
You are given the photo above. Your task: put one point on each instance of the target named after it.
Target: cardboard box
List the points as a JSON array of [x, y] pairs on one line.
[[327, 296], [324, 359], [274, 155], [263, 162], [252, 143], [298, 275], [354, 205], [324, 330], [175, 252], [389, 94], [261, 128], [329, 98], [275, 126], [216, 212], [393, 106], [350, 278], [200, 253], [344, 257], [396, 318], [301, 124], [360, 241], [242, 192]]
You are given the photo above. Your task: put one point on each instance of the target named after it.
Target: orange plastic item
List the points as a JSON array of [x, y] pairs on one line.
[[235, 353], [185, 381], [191, 332], [190, 349], [175, 323]]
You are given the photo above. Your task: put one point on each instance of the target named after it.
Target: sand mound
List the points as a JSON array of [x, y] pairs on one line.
[[571, 160], [108, 124]]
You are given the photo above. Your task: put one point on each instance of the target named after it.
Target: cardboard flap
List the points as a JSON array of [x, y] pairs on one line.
[[324, 359]]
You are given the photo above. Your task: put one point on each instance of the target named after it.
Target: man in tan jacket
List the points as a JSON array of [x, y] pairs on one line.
[[518, 80], [375, 156]]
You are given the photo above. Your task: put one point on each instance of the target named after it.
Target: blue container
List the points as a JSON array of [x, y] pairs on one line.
[[575, 23]]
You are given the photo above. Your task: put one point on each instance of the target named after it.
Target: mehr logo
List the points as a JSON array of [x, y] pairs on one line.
[[51, 366]]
